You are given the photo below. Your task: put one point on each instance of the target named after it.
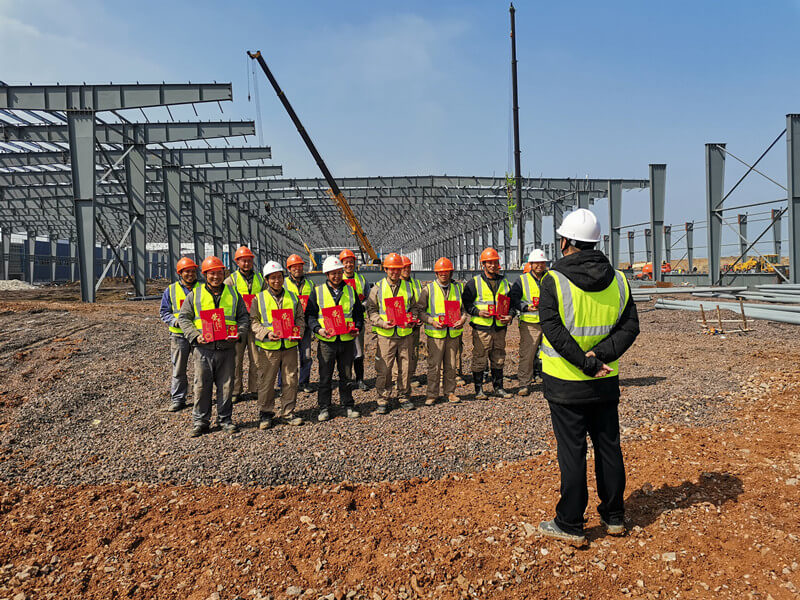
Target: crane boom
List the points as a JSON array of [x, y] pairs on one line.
[[335, 193]]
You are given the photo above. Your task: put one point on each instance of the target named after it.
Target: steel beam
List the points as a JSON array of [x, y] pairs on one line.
[[614, 219], [793, 193], [690, 246], [715, 180], [135, 183], [776, 232], [631, 246], [742, 219], [658, 174]]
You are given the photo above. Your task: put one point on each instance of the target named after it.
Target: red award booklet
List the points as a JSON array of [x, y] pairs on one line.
[[333, 317], [452, 312], [303, 302], [213, 326], [248, 300], [233, 332], [396, 311], [503, 305], [535, 302], [283, 324]]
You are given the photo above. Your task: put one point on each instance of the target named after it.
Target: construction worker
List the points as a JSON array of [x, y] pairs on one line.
[[488, 331], [179, 347], [214, 362], [589, 320], [246, 280], [443, 339], [525, 300], [275, 354], [394, 342], [300, 286], [335, 351], [357, 280], [416, 287]]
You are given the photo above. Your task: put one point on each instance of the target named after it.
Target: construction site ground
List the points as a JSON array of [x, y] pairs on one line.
[[104, 495]]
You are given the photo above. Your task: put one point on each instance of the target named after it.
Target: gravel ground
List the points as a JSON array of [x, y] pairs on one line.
[[82, 388], [14, 284]]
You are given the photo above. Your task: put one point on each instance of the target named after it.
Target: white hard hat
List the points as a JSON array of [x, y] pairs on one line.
[[332, 263], [272, 267], [537, 255], [580, 225]]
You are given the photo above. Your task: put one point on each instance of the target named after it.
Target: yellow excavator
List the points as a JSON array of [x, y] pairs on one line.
[[334, 192]]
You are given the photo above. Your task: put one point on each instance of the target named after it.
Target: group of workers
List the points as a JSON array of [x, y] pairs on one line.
[[578, 318]]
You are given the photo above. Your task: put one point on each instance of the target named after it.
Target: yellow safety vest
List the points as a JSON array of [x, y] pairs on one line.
[[266, 304], [239, 281], [385, 291], [484, 297], [347, 301], [589, 317], [306, 289], [205, 301], [436, 309], [176, 297], [416, 287], [530, 290], [361, 283]]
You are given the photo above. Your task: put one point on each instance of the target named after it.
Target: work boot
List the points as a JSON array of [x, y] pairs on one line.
[[293, 420], [308, 389], [265, 421], [477, 379], [613, 527], [430, 400], [198, 430], [176, 406], [453, 399], [235, 398], [550, 529], [383, 409], [497, 383], [324, 415], [361, 385], [460, 380], [353, 413], [229, 427], [523, 391], [406, 404]]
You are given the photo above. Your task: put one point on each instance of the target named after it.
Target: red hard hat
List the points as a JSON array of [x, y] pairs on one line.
[[393, 261], [185, 263], [406, 261], [489, 254], [243, 252], [443, 264], [294, 259], [347, 253], [212, 263]]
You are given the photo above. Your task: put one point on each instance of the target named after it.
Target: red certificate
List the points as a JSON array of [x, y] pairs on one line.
[[396, 311], [283, 324], [535, 302], [503, 305], [248, 300], [233, 332], [452, 312], [333, 320], [213, 325], [303, 301]]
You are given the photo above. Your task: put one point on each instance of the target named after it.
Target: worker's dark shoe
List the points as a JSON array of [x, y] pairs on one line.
[[235, 398], [497, 384], [353, 413], [265, 421], [613, 528], [176, 406], [550, 529], [361, 385], [229, 427], [198, 430], [477, 379], [324, 415], [383, 409], [523, 391], [406, 404], [308, 389]]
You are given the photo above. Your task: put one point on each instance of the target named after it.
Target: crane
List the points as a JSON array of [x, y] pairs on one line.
[[334, 192]]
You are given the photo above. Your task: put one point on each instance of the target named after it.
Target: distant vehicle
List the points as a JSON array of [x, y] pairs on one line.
[[646, 273]]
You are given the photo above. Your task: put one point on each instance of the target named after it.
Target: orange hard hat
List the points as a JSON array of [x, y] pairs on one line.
[[526, 268], [489, 254], [185, 263], [347, 253], [443, 264], [294, 259], [243, 252], [212, 263], [393, 261], [406, 261]]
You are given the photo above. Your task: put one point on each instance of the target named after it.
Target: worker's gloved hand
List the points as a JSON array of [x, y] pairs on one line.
[[484, 313]]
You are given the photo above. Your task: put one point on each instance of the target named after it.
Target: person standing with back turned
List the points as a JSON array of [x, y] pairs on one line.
[[589, 320]]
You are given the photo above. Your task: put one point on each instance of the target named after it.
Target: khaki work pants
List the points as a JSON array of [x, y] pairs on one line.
[[442, 364], [269, 363], [530, 335], [393, 351], [252, 378], [488, 346]]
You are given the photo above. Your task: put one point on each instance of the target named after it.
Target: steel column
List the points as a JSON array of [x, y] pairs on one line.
[[82, 156], [658, 175], [232, 229], [558, 216], [53, 259], [506, 246], [715, 180], [30, 244], [583, 200], [536, 222], [6, 252], [614, 219], [172, 207], [793, 194], [690, 246], [198, 195], [776, 232], [73, 263], [217, 221], [743, 236], [605, 244], [648, 246], [668, 243], [135, 182], [631, 248]]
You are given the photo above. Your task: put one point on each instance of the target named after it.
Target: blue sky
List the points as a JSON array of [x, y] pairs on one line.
[[424, 88]]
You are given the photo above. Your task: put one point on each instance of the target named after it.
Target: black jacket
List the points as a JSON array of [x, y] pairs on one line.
[[470, 294], [590, 271]]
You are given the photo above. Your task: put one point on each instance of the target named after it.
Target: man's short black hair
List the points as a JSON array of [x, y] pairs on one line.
[[582, 245]]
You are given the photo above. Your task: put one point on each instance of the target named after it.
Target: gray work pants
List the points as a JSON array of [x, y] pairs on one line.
[[180, 349], [213, 368]]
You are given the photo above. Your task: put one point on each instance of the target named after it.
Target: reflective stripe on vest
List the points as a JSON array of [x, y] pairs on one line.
[[385, 291], [436, 309], [239, 281], [484, 297], [307, 287], [530, 290], [205, 301], [325, 300], [578, 308], [176, 295], [266, 304], [416, 287]]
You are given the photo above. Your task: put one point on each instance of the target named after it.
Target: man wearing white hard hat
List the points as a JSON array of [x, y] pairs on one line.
[[589, 320], [335, 351], [524, 296], [276, 352]]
